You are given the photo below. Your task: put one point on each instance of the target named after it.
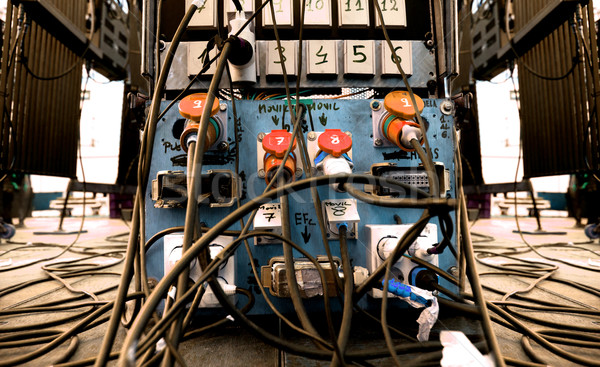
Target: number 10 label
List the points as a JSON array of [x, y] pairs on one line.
[[317, 12]]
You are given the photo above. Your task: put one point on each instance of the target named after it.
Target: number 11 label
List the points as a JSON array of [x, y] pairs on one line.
[[354, 13]]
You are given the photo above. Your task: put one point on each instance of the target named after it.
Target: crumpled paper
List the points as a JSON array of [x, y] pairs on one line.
[[460, 352], [429, 315]]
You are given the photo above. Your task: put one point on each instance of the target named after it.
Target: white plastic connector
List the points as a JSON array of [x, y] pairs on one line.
[[360, 275], [419, 249], [243, 73], [409, 133], [336, 166], [210, 300], [199, 3]]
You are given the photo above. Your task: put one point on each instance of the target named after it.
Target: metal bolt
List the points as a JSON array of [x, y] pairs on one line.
[[299, 172], [378, 142], [261, 136], [375, 105], [312, 136], [447, 107], [453, 270], [261, 173], [223, 106], [429, 43], [223, 146], [152, 283]]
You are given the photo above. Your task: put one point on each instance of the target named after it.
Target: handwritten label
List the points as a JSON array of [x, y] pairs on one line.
[[171, 147], [268, 217], [338, 211], [322, 57], [303, 219]]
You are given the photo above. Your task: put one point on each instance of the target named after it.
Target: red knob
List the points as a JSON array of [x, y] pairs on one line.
[[277, 141], [191, 106], [334, 142]]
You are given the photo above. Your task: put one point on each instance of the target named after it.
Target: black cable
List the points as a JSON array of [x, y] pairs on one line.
[[230, 219], [344, 332], [143, 169]]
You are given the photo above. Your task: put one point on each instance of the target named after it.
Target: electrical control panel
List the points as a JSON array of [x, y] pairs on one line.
[[358, 118], [256, 119]]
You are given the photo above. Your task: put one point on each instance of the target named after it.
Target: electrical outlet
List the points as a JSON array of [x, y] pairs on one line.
[[226, 276], [382, 239]]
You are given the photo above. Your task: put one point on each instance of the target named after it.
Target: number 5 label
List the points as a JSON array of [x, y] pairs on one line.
[[359, 57]]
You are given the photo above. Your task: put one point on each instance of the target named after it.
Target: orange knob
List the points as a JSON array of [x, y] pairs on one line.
[[277, 141], [398, 103], [272, 163], [191, 106]]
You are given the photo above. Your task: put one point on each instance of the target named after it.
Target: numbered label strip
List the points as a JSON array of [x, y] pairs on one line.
[[359, 57], [325, 64], [351, 13]]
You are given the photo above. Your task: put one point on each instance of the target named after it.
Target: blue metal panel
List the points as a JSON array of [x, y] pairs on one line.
[[263, 116]]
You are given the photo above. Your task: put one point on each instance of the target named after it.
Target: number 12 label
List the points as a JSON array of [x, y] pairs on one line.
[[394, 13]]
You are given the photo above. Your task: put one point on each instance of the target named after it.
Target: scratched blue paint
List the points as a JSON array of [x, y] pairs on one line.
[[263, 116]]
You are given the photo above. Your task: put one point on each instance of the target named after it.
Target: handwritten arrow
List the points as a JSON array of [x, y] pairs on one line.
[[306, 235], [323, 119]]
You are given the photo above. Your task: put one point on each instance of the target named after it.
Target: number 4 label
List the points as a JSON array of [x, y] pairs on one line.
[[322, 57]]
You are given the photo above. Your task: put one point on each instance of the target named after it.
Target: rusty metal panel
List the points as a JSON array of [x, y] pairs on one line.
[[559, 117], [41, 90]]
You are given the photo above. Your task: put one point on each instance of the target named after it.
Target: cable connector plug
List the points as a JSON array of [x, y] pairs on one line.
[[410, 132], [403, 290]]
